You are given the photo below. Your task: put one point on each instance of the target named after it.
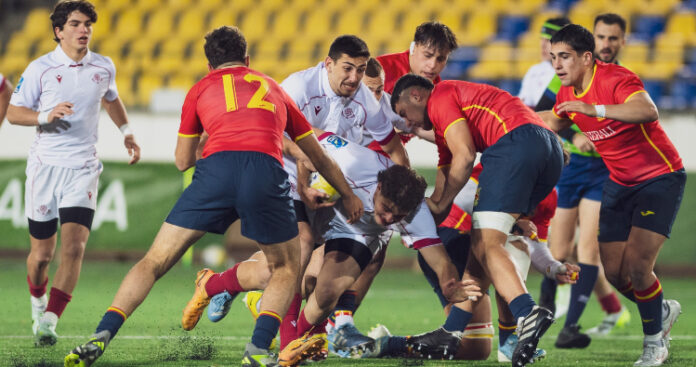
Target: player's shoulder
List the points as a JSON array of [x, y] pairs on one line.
[[613, 71], [102, 60], [449, 86], [393, 58], [365, 97], [42, 63]]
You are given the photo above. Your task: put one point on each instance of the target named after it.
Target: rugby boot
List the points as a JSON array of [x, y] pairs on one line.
[[529, 330], [219, 306], [301, 349], [85, 354], [436, 344], [351, 342], [200, 300], [257, 357], [670, 312], [571, 337], [654, 354]]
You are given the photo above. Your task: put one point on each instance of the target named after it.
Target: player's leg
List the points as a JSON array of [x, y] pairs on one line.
[[561, 243], [588, 260], [617, 315], [477, 338]]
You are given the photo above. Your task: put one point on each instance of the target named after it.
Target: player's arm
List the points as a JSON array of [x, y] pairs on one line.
[[428, 135], [396, 151], [461, 144], [328, 168], [452, 287], [554, 122], [5, 94], [543, 261], [638, 109], [117, 112], [19, 115], [185, 152]]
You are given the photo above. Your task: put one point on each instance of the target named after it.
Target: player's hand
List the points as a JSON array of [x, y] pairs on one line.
[[133, 149], [567, 273], [55, 127], [583, 143], [313, 198], [60, 111], [439, 213], [526, 228], [353, 207], [460, 291], [576, 106]]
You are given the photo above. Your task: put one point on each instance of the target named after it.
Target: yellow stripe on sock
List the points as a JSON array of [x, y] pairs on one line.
[[118, 311], [272, 314]]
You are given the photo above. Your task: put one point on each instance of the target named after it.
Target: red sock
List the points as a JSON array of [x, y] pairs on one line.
[[225, 281], [610, 303], [57, 301], [319, 328], [288, 328], [37, 290]]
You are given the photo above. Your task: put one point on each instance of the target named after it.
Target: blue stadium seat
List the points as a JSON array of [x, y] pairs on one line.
[[562, 5], [683, 93], [646, 27], [689, 4], [510, 27], [512, 86], [460, 61], [654, 88]]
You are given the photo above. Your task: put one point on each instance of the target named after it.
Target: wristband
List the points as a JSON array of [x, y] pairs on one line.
[[42, 118], [125, 129], [600, 110]]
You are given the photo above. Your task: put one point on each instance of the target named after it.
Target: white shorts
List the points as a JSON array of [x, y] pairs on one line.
[[49, 188]]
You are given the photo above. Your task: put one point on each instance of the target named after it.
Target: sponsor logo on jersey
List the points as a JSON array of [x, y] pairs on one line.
[[336, 141], [59, 78], [348, 113], [19, 85], [317, 109], [645, 213]]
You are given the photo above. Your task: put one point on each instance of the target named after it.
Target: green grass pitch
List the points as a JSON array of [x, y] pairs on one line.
[[399, 299]]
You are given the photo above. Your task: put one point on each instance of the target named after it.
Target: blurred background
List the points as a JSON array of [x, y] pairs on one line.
[[157, 46]]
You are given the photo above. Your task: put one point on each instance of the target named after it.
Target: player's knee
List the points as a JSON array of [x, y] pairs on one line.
[[72, 249], [41, 257], [326, 295], [476, 349]]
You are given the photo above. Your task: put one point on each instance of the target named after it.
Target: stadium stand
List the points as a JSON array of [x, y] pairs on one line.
[[158, 43]]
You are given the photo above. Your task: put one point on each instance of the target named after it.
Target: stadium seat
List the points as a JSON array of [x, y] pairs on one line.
[[181, 81], [179, 5], [635, 51], [37, 24], [659, 7], [19, 45], [147, 83], [537, 21], [413, 18], [142, 47], [224, 16], [286, 24], [191, 25], [317, 24], [305, 53], [128, 25], [684, 24], [13, 65], [102, 28], [124, 83], [116, 6], [654, 88], [510, 27], [480, 28], [383, 22], [254, 24], [149, 6], [160, 25], [268, 49], [646, 27], [669, 47], [351, 21], [511, 86], [43, 46], [112, 47]]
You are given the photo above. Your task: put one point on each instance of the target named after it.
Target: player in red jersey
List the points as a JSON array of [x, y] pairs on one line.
[[240, 176], [522, 160], [646, 176]]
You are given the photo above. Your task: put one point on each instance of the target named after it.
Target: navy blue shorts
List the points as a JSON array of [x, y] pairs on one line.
[[231, 185], [457, 246], [519, 170], [582, 178], [651, 205]]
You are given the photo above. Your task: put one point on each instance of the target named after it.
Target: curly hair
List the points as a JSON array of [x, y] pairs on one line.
[[225, 44], [402, 186]]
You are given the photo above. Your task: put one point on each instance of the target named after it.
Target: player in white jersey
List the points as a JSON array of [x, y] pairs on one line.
[[332, 98], [60, 94], [5, 93]]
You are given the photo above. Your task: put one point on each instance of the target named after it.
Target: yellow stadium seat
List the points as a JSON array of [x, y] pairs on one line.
[[317, 24], [583, 15], [178, 5], [221, 5], [13, 64], [659, 7], [126, 67], [530, 39], [124, 84], [302, 52], [147, 84], [268, 49], [191, 25], [18, 45], [487, 70], [164, 65], [254, 24], [159, 25], [683, 23], [398, 5], [112, 47], [538, 20], [399, 44], [452, 18], [480, 28], [149, 5], [522, 66], [38, 24], [351, 21], [173, 47], [525, 7], [181, 81], [116, 6], [196, 67], [44, 46], [222, 17], [285, 25], [273, 4], [635, 51], [662, 70], [142, 47], [635, 66], [129, 24], [497, 51], [414, 18], [669, 48], [383, 22]]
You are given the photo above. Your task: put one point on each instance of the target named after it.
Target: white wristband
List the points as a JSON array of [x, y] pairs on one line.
[[125, 129], [42, 118], [600, 110]]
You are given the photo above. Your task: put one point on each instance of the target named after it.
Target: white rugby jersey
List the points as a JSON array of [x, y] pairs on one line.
[[2, 82], [360, 166], [534, 83], [54, 78], [358, 118]]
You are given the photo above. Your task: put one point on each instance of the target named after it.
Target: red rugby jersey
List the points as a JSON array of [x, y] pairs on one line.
[[633, 153], [489, 112], [242, 110], [395, 66]]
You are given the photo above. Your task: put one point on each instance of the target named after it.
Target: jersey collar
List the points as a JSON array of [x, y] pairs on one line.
[[589, 85], [325, 86], [64, 59]]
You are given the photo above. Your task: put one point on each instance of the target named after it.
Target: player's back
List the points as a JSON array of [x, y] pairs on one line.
[[242, 110]]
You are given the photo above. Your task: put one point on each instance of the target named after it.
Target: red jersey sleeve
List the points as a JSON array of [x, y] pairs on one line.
[[190, 122], [297, 126], [627, 85], [444, 110]]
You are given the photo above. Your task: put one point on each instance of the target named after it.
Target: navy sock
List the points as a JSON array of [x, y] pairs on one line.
[[457, 319], [266, 328], [505, 329], [346, 302], [580, 292], [548, 287], [627, 292], [112, 320], [522, 305], [396, 346], [650, 307]]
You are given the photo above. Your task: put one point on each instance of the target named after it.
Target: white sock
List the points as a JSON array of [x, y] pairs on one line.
[[343, 317], [653, 339]]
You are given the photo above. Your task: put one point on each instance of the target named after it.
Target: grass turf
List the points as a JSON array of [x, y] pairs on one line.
[[399, 299]]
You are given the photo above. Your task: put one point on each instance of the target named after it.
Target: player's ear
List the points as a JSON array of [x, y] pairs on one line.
[[328, 63], [415, 94], [246, 60], [210, 67]]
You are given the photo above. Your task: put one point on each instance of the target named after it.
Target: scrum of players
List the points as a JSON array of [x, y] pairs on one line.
[[348, 118]]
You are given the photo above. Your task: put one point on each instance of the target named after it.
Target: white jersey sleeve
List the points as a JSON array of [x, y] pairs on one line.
[[112, 92], [28, 91], [418, 230], [378, 122], [534, 83]]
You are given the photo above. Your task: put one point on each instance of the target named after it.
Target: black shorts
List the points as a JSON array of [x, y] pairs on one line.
[[651, 205], [358, 251]]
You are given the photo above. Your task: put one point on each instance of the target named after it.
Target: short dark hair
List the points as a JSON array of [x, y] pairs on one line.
[[553, 25], [407, 81], [63, 9], [374, 68], [402, 186], [225, 44], [349, 45], [611, 18], [577, 37], [437, 35]]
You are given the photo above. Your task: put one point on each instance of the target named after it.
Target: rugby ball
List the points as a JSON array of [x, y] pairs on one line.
[[214, 256], [318, 182]]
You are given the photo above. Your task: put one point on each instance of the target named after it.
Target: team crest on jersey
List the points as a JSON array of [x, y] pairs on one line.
[[19, 85], [348, 113], [336, 141], [59, 78], [43, 209], [97, 78], [89, 195]]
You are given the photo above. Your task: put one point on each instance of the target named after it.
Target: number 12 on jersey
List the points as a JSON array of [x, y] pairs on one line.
[[257, 99]]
